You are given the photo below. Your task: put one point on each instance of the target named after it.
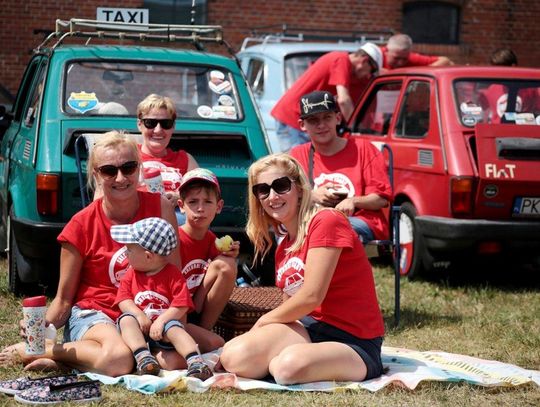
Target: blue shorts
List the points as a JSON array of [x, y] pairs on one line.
[[362, 229], [152, 343], [368, 349], [81, 320]]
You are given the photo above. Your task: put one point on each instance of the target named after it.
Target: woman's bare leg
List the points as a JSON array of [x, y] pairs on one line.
[[250, 354]]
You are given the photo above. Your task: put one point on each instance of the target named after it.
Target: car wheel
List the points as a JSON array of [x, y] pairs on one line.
[[14, 258], [412, 247]]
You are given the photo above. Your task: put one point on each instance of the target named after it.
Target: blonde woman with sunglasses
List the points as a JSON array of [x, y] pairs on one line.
[[156, 116], [91, 266], [329, 326]]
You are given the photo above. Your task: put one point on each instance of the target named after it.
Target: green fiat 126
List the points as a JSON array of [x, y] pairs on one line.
[[77, 86]]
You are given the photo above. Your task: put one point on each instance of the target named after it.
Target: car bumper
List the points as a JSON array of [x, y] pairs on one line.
[[447, 234], [36, 240]]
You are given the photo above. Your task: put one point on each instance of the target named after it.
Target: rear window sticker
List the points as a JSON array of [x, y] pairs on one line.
[[225, 100], [226, 112], [205, 111], [470, 108], [82, 102], [218, 84], [525, 118], [469, 120]]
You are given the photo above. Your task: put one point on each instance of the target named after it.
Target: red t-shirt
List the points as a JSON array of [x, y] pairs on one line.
[[415, 59], [155, 294], [196, 255], [330, 70], [351, 300], [104, 260], [359, 168], [172, 166]]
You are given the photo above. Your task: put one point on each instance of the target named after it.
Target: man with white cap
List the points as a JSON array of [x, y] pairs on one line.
[[343, 74]]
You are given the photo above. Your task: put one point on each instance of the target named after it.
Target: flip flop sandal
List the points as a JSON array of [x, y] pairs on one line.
[[15, 386], [80, 391]]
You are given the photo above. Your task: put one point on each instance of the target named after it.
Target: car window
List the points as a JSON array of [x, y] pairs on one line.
[[413, 119], [32, 109], [105, 88], [376, 115], [497, 101], [297, 64], [255, 76]]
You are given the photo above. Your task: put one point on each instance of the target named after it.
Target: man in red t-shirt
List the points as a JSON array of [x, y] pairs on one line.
[[397, 54], [340, 73], [347, 173]]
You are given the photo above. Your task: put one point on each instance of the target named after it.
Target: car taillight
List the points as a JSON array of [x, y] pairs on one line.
[[461, 196], [47, 188]]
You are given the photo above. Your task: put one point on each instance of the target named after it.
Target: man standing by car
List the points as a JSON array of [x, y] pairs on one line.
[[397, 54], [340, 73], [347, 173]]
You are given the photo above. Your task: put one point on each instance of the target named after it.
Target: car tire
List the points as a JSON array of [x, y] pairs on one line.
[[414, 256], [14, 258]]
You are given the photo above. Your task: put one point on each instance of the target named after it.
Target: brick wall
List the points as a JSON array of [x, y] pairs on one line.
[[485, 24]]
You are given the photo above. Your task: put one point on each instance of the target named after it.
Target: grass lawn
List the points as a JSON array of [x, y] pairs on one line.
[[491, 316]]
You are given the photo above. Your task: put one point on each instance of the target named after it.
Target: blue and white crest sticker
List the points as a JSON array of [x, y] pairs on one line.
[[82, 102]]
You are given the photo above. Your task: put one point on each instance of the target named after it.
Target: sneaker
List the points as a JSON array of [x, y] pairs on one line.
[[15, 386], [148, 364], [199, 370], [80, 391]]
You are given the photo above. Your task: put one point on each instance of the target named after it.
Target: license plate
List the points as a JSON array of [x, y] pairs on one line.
[[526, 206]]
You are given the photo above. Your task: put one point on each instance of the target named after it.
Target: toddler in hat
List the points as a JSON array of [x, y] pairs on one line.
[[154, 298]]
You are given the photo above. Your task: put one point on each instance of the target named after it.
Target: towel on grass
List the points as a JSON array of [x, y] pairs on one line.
[[406, 368]]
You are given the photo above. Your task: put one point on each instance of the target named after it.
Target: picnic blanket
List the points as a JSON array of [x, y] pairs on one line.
[[406, 368]]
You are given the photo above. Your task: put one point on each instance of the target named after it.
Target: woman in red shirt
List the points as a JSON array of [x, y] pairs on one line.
[[330, 326]]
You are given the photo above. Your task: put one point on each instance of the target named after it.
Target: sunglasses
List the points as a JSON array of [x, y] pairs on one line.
[[280, 186], [110, 171], [165, 124]]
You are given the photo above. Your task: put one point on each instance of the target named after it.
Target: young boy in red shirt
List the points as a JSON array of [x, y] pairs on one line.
[[154, 298], [210, 273]]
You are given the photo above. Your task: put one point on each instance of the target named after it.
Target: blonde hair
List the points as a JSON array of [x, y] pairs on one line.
[[259, 222], [112, 139], [154, 101]]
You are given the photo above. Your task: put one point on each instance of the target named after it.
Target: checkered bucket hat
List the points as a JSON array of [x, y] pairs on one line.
[[153, 234]]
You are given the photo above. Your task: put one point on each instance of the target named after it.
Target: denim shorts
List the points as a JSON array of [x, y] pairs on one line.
[[368, 349], [152, 343], [81, 320], [362, 229]]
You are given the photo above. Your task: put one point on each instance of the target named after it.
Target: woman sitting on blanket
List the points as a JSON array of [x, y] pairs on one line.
[[330, 326], [91, 265]]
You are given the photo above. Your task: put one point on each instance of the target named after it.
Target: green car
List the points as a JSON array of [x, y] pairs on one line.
[[72, 90]]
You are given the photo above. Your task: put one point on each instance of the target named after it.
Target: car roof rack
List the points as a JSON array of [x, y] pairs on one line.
[[76, 27], [297, 34]]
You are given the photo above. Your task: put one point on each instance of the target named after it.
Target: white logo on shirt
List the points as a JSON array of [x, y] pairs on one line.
[[118, 266], [341, 181]]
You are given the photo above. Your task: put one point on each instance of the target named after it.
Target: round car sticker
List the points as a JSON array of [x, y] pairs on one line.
[[205, 111], [468, 120], [225, 100], [82, 102], [218, 84], [470, 108]]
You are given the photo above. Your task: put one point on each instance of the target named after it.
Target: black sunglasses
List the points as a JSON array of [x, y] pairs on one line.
[[152, 123], [280, 186], [110, 171]]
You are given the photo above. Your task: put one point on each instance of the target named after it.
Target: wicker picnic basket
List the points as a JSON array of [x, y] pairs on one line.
[[245, 306]]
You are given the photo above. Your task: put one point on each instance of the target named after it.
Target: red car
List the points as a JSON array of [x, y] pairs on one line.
[[466, 157]]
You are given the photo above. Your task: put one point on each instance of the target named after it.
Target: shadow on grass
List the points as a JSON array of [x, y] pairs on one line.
[[414, 318], [500, 275]]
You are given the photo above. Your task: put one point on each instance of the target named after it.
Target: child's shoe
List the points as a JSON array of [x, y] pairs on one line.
[[199, 370], [147, 363]]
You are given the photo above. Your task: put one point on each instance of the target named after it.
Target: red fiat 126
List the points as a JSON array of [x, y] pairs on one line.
[[466, 157]]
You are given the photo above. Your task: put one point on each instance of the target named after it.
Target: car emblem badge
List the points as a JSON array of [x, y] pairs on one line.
[[491, 191]]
